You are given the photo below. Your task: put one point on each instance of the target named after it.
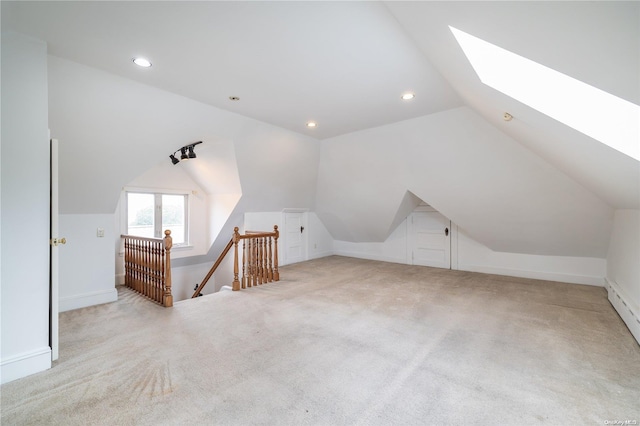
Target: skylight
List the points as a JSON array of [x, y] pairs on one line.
[[591, 111]]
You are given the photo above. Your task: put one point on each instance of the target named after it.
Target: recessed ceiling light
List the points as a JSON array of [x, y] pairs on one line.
[[142, 62], [408, 96], [312, 124], [234, 98]]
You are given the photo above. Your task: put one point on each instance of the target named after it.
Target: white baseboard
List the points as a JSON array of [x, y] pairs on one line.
[[88, 299], [629, 313], [369, 256], [25, 364], [538, 275]]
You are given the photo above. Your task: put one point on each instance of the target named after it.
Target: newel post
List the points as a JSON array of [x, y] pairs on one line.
[[168, 243], [236, 238], [276, 274]]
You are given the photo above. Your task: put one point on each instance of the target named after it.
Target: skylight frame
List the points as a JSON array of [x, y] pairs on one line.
[[600, 115]]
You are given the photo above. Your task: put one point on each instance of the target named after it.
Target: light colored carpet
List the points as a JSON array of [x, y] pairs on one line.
[[343, 341]]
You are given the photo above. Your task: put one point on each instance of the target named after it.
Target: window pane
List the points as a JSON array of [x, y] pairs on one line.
[[140, 214], [173, 208]]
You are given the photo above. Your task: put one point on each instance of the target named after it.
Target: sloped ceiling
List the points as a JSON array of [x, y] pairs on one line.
[[342, 64], [345, 65], [595, 42]]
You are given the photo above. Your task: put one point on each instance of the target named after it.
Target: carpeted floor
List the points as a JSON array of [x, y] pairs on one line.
[[343, 341]]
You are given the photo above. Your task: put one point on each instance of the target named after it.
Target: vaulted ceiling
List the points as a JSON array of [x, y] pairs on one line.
[[597, 43], [345, 66]]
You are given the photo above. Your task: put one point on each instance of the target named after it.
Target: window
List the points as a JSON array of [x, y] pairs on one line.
[[587, 109], [150, 214]]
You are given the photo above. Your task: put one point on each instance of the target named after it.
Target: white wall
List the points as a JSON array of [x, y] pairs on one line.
[[87, 269], [469, 255], [319, 241], [623, 268], [502, 194], [475, 257], [264, 221], [393, 249], [25, 209]]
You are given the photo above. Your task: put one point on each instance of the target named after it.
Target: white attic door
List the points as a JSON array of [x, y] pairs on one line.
[[295, 236], [429, 238]]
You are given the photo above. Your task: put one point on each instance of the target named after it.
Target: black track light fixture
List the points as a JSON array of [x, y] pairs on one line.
[[186, 152], [192, 154]]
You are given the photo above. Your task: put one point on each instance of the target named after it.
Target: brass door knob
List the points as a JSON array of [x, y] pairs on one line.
[[57, 241]]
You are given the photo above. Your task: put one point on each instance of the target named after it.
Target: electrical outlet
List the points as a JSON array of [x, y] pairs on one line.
[[100, 233]]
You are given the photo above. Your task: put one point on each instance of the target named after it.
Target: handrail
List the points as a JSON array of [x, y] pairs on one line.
[[147, 264], [213, 269], [259, 259], [256, 234]]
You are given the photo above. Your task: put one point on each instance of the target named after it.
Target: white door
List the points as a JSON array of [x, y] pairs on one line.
[[295, 237], [53, 253], [431, 239]]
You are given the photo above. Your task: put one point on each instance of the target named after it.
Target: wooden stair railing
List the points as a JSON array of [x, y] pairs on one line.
[[147, 263], [259, 259], [213, 268]]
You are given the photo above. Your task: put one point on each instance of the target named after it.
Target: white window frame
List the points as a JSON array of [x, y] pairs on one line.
[[158, 193]]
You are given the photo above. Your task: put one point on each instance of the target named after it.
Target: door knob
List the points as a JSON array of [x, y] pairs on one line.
[[57, 241], [446, 232], [301, 229]]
